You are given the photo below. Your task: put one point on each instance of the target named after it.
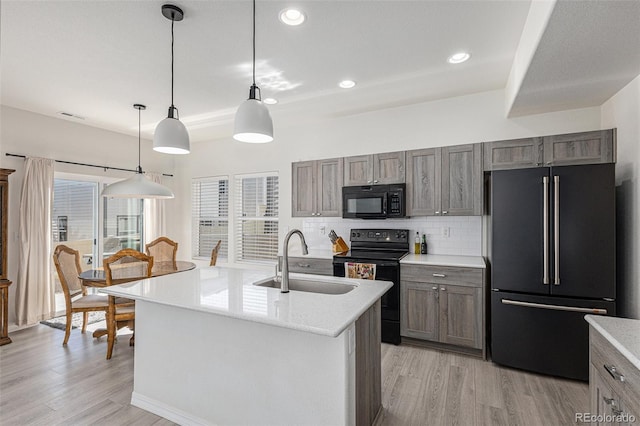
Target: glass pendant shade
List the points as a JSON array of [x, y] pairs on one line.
[[253, 123], [137, 186], [171, 137]]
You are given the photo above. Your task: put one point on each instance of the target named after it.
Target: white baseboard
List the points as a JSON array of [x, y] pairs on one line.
[[168, 412]]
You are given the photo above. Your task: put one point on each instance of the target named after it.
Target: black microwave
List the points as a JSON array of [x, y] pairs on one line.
[[374, 201]]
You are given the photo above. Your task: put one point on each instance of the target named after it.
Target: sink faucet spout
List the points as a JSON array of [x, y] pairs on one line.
[[284, 287]]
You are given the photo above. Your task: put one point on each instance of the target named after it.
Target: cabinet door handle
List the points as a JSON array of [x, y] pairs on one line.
[[439, 275], [437, 211], [369, 181], [445, 212], [434, 287], [611, 369], [443, 289], [375, 181], [304, 265], [609, 401], [318, 214]]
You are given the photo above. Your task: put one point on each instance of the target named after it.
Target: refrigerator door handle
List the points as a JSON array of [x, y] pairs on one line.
[[556, 229], [545, 216], [554, 307]]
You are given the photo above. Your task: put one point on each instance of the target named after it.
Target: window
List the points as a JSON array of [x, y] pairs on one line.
[[256, 217], [210, 216]]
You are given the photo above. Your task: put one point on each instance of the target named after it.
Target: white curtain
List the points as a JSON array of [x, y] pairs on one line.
[[35, 298], [154, 213]]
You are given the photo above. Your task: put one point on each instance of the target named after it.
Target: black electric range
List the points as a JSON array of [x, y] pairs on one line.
[[384, 248]]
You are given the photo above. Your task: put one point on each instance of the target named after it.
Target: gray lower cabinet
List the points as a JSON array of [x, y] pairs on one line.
[[569, 149], [445, 181], [309, 265], [614, 384], [443, 304], [374, 169], [316, 188]]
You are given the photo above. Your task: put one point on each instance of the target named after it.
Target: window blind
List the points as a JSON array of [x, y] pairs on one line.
[[210, 216], [256, 217], [73, 210]]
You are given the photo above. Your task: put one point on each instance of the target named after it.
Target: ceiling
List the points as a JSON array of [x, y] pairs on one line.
[[95, 59]]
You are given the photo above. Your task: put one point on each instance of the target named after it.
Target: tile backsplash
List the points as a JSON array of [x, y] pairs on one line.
[[452, 235]]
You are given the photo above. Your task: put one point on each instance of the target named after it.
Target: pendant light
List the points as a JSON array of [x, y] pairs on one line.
[[171, 136], [253, 122], [137, 186]]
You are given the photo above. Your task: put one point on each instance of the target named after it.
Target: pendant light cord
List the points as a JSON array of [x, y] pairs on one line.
[[172, 21], [254, 42], [139, 166]]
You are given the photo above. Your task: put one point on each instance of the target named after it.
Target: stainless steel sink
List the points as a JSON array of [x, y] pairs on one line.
[[310, 286]]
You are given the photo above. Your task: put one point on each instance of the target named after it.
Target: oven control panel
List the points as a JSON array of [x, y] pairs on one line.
[[380, 235]]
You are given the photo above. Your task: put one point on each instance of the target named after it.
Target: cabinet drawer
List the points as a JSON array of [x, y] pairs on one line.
[[442, 275], [310, 265], [604, 353]]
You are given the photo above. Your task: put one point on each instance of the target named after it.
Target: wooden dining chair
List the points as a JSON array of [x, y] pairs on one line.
[[124, 266], [67, 261], [214, 253], [162, 249]]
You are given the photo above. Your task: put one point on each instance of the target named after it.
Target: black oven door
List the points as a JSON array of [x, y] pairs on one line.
[[385, 271], [364, 202]]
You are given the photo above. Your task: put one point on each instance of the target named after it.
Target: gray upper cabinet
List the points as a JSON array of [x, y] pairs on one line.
[[580, 148], [423, 182], [462, 180], [569, 149], [388, 167], [513, 154], [445, 181], [316, 188]]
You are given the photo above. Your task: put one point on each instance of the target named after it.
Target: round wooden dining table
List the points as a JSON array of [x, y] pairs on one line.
[[97, 278]]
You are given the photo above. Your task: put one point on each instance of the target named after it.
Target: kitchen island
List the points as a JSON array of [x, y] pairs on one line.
[[213, 348]]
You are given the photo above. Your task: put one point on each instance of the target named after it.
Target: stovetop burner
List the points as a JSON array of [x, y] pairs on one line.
[[371, 254], [377, 244]]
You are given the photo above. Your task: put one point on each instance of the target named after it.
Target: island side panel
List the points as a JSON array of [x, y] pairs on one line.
[[195, 367], [368, 366]]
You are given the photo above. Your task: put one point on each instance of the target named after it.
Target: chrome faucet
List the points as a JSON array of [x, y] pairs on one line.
[[284, 285]]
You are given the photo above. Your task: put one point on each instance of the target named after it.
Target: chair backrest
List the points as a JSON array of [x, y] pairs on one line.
[[127, 265], [163, 250], [67, 261], [214, 253]]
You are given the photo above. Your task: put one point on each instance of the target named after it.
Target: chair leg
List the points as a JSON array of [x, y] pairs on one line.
[[111, 332], [67, 329], [85, 318]]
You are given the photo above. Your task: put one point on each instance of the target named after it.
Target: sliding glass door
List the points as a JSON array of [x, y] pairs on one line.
[[94, 226]]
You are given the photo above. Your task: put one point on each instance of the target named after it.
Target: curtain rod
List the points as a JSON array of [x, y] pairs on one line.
[[86, 164]]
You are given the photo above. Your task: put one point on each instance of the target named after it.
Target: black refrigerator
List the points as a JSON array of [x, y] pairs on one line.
[[552, 262]]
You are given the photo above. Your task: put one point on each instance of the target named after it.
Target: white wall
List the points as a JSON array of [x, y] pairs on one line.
[[26, 133], [623, 111]]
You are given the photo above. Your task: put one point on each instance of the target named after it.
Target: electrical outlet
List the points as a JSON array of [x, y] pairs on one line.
[[323, 230], [445, 231]]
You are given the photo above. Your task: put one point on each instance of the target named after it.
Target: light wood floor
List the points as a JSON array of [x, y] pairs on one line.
[[43, 383]]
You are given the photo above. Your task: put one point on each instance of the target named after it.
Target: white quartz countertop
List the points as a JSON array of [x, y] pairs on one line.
[[444, 260], [622, 333], [231, 293]]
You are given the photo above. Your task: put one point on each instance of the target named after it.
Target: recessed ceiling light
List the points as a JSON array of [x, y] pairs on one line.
[[292, 17], [458, 58], [347, 84], [270, 101]]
